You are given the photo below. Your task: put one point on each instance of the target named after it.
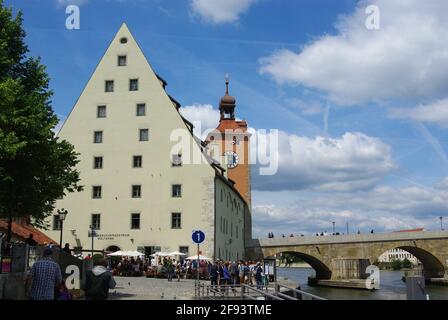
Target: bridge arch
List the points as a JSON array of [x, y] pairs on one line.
[[323, 272], [432, 266]]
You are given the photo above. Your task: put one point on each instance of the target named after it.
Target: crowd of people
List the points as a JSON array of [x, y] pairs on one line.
[[219, 272], [223, 273], [45, 282]]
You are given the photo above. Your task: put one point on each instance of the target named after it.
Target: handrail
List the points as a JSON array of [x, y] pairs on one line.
[[223, 291], [312, 296], [261, 292]]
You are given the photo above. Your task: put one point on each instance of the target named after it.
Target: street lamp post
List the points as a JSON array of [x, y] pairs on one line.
[[334, 229], [62, 215], [92, 234], [441, 223]]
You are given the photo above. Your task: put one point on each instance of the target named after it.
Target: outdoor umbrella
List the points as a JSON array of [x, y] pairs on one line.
[[161, 254], [201, 257], [126, 254], [177, 253]]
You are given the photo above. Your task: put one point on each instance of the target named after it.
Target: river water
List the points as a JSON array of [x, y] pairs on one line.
[[391, 287]]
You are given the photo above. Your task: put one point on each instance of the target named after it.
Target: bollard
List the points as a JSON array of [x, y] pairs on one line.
[[415, 288]]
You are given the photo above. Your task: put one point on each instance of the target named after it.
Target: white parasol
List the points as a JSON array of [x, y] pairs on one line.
[[177, 253], [126, 254], [201, 257]]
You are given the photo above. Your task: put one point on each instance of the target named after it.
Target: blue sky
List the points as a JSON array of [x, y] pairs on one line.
[[363, 114]]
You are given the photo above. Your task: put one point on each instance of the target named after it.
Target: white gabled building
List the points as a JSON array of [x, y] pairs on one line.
[[138, 193]]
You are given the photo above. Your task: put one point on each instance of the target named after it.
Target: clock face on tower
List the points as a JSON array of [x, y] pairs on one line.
[[232, 159]]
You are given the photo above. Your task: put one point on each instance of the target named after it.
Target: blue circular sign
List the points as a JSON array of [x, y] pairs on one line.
[[198, 236]]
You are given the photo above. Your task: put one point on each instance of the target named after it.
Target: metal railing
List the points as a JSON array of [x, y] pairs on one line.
[[246, 292], [297, 294]]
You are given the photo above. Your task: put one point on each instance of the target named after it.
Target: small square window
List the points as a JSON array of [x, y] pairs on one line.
[[184, 250], [98, 163], [144, 135], [135, 221], [122, 61], [176, 220], [96, 221], [133, 85], [96, 192], [141, 110], [101, 111], [176, 191], [109, 86], [136, 191], [176, 160], [98, 137], [137, 161]]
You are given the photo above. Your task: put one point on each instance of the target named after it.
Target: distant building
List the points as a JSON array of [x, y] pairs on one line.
[[398, 254]]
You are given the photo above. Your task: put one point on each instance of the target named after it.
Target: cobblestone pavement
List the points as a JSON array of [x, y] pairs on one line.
[[141, 288]]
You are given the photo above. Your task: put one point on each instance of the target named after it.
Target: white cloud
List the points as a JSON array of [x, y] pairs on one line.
[[309, 108], [442, 185], [352, 162], [220, 11], [381, 209], [64, 3], [405, 59], [203, 116], [434, 113]]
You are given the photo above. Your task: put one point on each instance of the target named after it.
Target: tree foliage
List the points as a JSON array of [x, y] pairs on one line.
[[36, 167], [406, 263], [396, 264]]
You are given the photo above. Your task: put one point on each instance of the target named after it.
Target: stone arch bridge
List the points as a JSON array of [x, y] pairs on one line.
[[347, 256]]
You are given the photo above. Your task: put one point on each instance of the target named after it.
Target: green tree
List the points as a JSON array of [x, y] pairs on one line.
[[406, 263], [396, 264], [35, 167]]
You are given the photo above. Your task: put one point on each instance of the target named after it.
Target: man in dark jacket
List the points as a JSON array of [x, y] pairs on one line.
[[214, 274], [99, 281], [259, 276]]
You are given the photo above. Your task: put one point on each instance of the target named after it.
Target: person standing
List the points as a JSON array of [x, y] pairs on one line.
[[234, 272], [66, 249], [259, 276], [220, 273], [99, 281], [30, 240], [169, 267], [214, 274], [45, 276]]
